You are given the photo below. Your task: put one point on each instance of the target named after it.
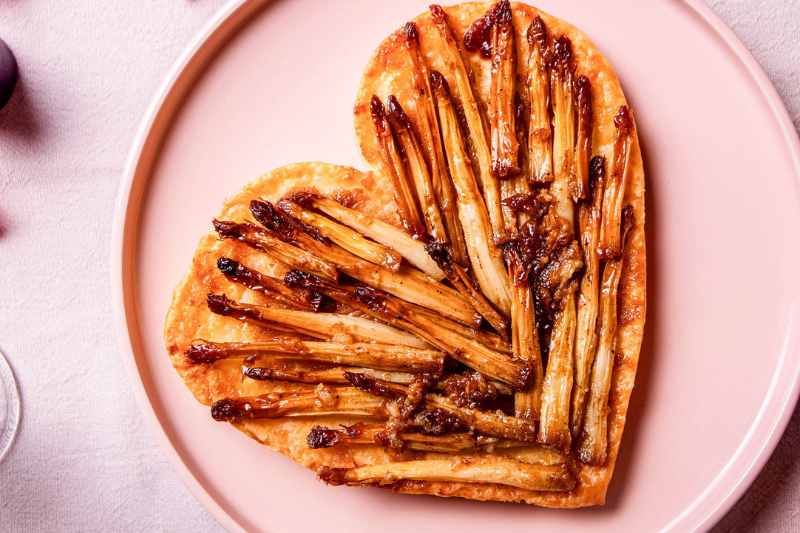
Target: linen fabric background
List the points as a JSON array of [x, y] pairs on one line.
[[84, 459]]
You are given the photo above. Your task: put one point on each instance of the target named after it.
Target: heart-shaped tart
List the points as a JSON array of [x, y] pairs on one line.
[[462, 319]]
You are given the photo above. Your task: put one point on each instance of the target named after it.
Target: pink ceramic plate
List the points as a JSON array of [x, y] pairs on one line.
[[267, 84]]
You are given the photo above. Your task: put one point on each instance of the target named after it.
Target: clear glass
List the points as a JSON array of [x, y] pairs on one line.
[[9, 407]]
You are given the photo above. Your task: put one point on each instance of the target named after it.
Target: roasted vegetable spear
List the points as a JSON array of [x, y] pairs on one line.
[[556, 392], [538, 85], [432, 145], [377, 230], [469, 351], [593, 447], [268, 241], [360, 433], [525, 338], [579, 184], [517, 185], [417, 168], [373, 355], [319, 325], [589, 214], [347, 238], [464, 284], [252, 279], [563, 124], [486, 257], [610, 235], [459, 66], [491, 423], [329, 401], [403, 195], [498, 470], [408, 284], [505, 147]]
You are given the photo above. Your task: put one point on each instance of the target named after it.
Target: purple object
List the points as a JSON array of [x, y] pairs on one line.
[[8, 73]]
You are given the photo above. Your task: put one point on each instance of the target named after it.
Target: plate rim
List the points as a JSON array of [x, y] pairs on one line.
[[203, 47]]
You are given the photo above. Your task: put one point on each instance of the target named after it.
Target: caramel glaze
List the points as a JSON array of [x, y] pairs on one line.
[[478, 37]]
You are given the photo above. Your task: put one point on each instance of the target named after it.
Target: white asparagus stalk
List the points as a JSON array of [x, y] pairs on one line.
[[502, 115], [579, 186], [320, 325], [589, 214], [266, 241], [485, 256], [373, 355], [407, 207], [557, 388], [418, 169], [538, 84], [432, 144], [412, 288], [457, 62], [328, 401], [379, 231], [610, 234], [497, 470], [360, 433], [593, 447], [563, 126], [347, 238]]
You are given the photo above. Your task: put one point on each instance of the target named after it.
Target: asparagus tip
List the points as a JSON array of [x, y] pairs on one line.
[[440, 85], [222, 410], [331, 476], [227, 266], [218, 304], [537, 33], [410, 33], [562, 53], [437, 14], [322, 437]]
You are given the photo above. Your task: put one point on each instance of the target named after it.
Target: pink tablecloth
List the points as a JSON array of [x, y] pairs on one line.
[[84, 460]]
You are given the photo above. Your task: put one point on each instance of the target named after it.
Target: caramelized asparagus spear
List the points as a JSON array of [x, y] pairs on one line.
[[465, 349], [404, 284], [557, 388], [491, 423], [610, 237], [397, 358], [484, 254], [377, 230], [252, 279], [518, 184], [333, 401], [583, 149], [432, 145], [418, 168], [525, 339], [505, 147], [347, 238], [332, 376], [319, 325], [498, 470], [360, 433], [563, 125], [538, 85], [589, 214], [404, 197], [462, 282], [593, 447], [267, 241], [458, 64]]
